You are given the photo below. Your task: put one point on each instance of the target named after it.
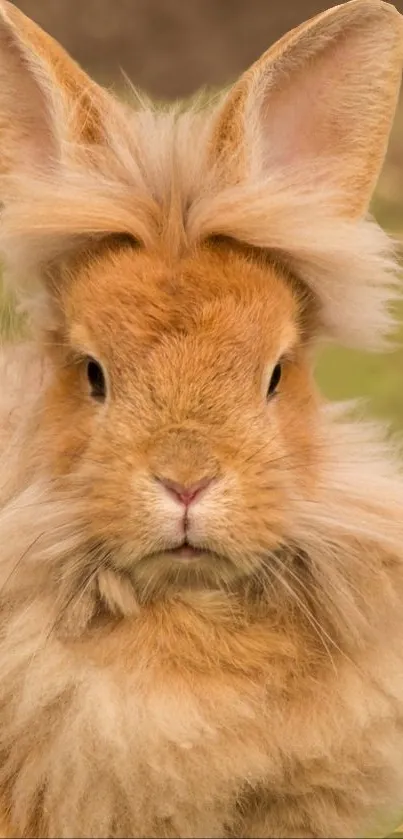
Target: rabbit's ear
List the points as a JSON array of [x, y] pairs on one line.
[[45, 98], [323, 97]]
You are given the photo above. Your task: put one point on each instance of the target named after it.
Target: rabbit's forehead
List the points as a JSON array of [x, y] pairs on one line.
[[136, 300]]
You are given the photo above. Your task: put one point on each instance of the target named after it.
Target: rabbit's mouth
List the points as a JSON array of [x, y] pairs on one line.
[[186, 552], [179, 567]]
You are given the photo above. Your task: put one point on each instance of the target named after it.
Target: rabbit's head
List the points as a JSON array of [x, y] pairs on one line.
[[177, 268]]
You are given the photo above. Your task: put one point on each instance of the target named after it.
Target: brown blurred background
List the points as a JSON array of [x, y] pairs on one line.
[[170, 48]]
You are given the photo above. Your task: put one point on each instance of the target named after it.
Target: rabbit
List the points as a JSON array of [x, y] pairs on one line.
[[201, 560]]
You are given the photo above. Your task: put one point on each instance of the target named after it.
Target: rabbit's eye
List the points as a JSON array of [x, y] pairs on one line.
[[96, 378], [274, 381]]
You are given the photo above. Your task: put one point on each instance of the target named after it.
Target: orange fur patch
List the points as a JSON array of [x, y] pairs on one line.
[[255, 689]]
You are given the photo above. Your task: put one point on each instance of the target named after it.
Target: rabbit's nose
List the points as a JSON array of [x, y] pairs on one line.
[[185, 493]]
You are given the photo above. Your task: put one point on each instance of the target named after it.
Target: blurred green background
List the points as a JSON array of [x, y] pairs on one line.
[[172, 47]]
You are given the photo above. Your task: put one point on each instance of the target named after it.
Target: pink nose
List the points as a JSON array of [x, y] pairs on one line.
[[185, 494]]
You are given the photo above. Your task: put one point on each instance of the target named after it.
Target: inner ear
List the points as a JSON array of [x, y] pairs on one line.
[[45, 97], [29, 134], [321, 100]]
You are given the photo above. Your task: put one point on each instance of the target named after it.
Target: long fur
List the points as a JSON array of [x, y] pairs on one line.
[[154, 180], [258, 692], [208, 690]]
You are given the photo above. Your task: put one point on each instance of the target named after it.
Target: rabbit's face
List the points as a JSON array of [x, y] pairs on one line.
[[192, 427]]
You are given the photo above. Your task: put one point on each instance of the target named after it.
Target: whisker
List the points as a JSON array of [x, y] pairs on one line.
[[321, 633], [19, 562]]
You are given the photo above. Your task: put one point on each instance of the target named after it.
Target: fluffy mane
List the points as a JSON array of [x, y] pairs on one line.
[[321, 609], [153, 178]]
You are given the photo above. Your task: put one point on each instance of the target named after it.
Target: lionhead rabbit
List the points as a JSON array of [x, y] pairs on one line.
[[201, 564]]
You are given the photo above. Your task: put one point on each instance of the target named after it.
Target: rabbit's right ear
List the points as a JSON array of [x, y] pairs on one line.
[[322, 99], [45, 98]]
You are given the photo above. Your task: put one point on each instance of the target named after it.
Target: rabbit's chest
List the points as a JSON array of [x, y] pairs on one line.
[[190, 756], [145, 759], [181, 758]]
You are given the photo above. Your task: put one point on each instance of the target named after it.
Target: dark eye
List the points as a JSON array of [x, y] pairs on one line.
[[274, 381], [96, 378]]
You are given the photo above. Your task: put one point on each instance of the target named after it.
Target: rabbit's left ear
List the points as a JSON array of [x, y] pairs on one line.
[[45, 97], [323, 97]]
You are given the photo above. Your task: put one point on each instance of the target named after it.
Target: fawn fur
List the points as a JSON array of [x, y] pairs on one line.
[[256, 688]]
